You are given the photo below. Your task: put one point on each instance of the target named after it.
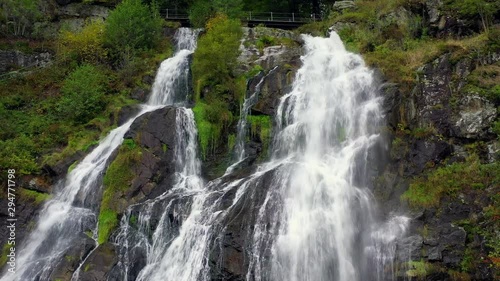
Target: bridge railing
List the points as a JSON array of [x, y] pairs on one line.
[[281, 17], [173, 14]]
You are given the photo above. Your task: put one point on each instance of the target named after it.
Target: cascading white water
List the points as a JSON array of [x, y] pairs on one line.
[[73, 208], [326, 127], [317, 220]]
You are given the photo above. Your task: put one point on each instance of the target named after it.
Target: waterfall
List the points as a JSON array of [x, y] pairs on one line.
[[316, 218], [74, 206], [319, 221]]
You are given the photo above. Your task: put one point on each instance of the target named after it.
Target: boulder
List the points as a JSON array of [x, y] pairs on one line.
[[98, 265]]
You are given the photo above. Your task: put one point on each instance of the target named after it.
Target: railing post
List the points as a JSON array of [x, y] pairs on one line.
[[167, 14], [271, 16], [293, 16], [250, 15]]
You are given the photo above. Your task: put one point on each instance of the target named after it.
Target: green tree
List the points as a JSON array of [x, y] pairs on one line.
[[17, 16], [216, 56], [132, 27], [83, 94], [485, 9], [202, 10]]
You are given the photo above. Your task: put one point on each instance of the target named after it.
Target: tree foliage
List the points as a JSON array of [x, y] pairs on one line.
[[202, 10], [17, 16], [132, 27], [83, 94], [86, 45], [484, 9], [217, 52]]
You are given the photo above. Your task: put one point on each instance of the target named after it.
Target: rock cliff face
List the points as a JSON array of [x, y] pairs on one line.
[[451, 120]]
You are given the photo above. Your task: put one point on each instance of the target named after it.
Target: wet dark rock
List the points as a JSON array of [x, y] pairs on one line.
[[425, 151], [155, 133], [61, 167], [409, 248], [98, 265], [275, 85], [228, 257], [126, 113], [433, 95], [66, 2], [72, 258]]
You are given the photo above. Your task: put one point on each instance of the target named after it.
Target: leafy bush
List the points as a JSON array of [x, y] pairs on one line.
[[83, 94], [20, 154], [85, 45], [132, 27]]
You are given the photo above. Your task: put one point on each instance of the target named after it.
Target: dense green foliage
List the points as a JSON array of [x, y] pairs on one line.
[[132, 27], [83, 94], [54, 112], [218, 90]]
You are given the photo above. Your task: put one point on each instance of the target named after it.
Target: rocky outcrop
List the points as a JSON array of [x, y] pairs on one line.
[[98, 264], [13, 60], [435, 125], [475, 117], [154, 133]]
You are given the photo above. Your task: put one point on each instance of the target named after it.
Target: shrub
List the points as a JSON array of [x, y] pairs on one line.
[[427, 191], [132, 27], [83, 94], [85, 45]]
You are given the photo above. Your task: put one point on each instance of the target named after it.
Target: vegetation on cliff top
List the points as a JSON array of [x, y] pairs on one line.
[[218, 91]]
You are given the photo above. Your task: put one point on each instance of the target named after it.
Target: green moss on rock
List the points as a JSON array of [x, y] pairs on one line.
[[117, 179]]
